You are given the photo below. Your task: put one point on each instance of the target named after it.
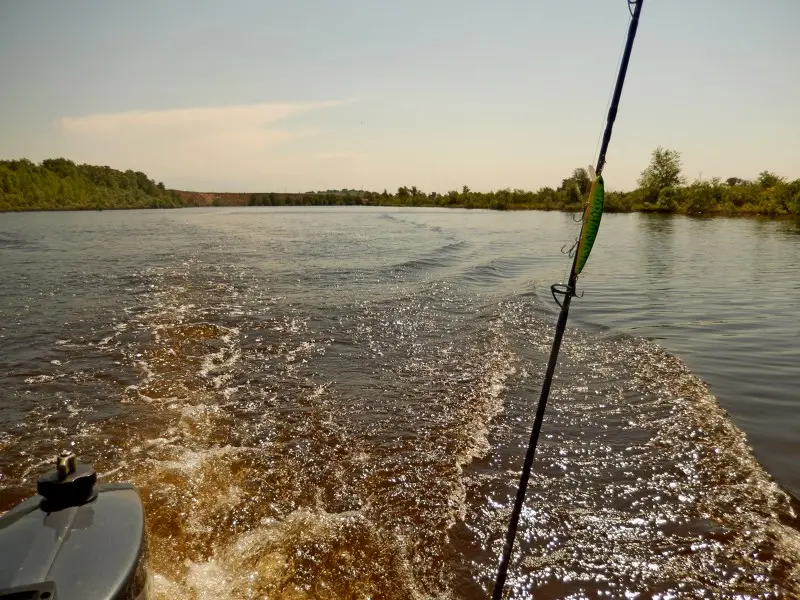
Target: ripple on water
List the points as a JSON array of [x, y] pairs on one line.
[[353, 425]]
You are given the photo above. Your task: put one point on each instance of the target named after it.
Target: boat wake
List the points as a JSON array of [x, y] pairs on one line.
[[288, 448], [269, 470]]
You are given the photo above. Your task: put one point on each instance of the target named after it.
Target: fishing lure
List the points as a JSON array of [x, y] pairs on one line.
[[591, 221]]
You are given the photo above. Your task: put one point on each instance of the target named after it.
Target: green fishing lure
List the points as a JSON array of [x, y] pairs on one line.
[[591, 222]]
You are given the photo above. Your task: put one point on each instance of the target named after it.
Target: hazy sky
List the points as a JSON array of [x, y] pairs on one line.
[[299, 94]]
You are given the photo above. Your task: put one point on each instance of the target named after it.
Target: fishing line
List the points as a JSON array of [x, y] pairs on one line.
[[610, 93], [591, 223], [574, 244]]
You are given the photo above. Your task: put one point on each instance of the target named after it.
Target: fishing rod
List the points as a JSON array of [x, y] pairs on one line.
[[593, 212]]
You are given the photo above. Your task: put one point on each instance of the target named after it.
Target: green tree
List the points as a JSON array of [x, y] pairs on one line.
[[664, 170], [767, 180], [581, 178], [60, 166], [58, 184]]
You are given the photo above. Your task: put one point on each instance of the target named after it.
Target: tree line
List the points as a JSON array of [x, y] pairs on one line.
[[662, 188], [61, 184]]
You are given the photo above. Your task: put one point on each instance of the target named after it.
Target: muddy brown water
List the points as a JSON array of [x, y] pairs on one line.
[[335, 403]]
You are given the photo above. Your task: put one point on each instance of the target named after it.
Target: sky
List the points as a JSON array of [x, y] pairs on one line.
[[303, 95]]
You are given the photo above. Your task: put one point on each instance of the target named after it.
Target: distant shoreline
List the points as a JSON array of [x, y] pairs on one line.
[[60, 184]]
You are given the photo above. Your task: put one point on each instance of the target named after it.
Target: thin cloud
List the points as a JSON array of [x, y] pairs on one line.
[[225, 141], [217, 116], [338, 155]]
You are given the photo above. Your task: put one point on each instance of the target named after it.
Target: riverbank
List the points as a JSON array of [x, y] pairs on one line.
[[698, 199], [60, 184]]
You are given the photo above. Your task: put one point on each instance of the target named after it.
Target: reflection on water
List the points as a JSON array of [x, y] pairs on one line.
[[317, 406], [656, 241]]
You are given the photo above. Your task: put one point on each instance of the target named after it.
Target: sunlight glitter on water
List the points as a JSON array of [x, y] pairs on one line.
[[355, 429]]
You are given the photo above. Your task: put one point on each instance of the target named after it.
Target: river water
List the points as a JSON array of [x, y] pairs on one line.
[[335, 403]]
